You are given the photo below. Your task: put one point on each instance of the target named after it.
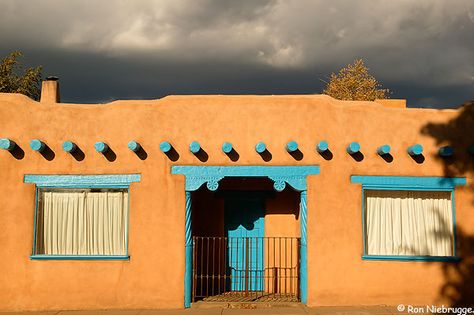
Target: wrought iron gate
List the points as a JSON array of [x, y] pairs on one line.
[[240, 269]]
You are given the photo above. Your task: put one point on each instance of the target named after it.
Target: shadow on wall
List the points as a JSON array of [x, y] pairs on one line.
[[458, 133], [458, 287]]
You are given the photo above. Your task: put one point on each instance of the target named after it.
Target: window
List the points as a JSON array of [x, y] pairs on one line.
[[412, 223], [408, 218], [81, 216], [82, 222]]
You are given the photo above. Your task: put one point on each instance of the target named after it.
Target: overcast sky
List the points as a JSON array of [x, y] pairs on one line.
[[422, 50]]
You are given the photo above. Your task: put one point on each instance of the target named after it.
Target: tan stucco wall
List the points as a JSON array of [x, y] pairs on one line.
[[153, 278]]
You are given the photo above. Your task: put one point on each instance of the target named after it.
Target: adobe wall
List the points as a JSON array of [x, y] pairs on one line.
[[153, 278]]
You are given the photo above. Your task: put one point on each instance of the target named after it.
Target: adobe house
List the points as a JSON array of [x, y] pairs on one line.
[[144, 204]]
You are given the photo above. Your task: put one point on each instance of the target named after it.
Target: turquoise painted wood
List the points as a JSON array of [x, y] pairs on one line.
[[291, 146], [446, 151], [384, 149], [101, 147], [413, 258], [79, 257], [408, 182], [303, 248], [134, 146], [226, 147], [82, 181], [188, 252], [194, 147], [69, 146], [244, 218], [7, 144], [37, 145], [353, 148], [196, 176], [260, 147], [165, 147], [415, 149], [322, 146]]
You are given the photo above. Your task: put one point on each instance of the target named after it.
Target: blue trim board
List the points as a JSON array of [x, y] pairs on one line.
[[303, 248], [79, 257], [453, 209], [127, 236], [408, 182], [188, 252], [196, 176], [33, 250], [82, 181], [412, 258], [245, 171], [364, 232]]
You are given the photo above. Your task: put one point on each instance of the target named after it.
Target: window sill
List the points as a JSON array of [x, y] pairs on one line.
[[79, 257], [412, 258]]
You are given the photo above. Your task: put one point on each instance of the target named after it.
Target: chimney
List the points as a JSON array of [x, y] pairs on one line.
[[50, 90]]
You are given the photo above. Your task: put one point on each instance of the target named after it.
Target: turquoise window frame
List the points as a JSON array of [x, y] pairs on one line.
[[409, 183], [115, 181]]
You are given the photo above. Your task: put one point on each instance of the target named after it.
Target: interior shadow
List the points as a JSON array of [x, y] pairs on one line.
[[358, 156], [297, 155], [17, 152], [110, 155], [233, 155], [327, 155], [47, 153], [420, 158], [141, 153], [266, 155], [78, 154], [202, 155], [387, 157], [172, 154]]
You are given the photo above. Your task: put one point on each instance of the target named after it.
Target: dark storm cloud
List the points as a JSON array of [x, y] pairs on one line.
[[104, 50]]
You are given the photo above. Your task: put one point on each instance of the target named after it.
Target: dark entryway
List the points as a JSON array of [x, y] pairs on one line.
[[233, 259]]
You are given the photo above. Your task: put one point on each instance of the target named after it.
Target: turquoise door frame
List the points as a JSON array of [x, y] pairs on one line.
[[196, 176]]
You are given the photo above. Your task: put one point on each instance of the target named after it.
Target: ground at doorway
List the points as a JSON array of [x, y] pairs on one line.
[[295, 310]]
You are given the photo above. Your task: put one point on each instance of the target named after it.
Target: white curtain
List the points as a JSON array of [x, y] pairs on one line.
[[84, 223], [414, 223]]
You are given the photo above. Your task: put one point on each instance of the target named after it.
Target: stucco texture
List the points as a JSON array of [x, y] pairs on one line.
[[153, 278]]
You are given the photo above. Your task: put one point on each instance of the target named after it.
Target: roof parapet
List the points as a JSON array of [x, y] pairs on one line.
[[392, 103]]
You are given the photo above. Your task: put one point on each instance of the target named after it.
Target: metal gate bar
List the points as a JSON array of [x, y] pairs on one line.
[[243, 269]]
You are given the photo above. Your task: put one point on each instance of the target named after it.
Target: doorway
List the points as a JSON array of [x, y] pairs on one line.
[[246, 243], [210, 177]]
